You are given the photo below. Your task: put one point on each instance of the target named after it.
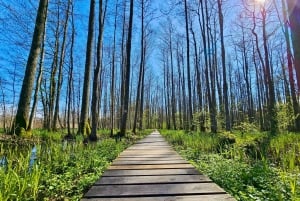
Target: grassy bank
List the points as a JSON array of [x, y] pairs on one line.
[[250, 166], [47, 168]]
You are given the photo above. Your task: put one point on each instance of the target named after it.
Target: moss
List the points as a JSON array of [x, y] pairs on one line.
[[87, 129]]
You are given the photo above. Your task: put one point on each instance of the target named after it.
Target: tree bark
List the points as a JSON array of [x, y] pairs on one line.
[[84, 127], [127, 73], [190, 115], [223, 53], [21, 121], [98, 69]]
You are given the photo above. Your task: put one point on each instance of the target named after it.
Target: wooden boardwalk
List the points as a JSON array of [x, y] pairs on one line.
[[152, 170]]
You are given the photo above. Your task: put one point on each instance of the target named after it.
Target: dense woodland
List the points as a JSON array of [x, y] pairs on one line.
[[193, 65], [220, 79]]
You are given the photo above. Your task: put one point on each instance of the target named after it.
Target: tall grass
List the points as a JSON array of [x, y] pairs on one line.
[[62, 170], [251, 166]]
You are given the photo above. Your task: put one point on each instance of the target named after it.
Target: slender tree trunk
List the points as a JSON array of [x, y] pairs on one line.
[[112, 87], [60, 71], [21, 121], [294, 22], [98, 69], [70, 82], [190, 115], [84, 127], [127, 77], [272, 114], [54, 66], [38, 83], [3, 106], [225, 87], [290, 69], [198, 82], [138, 94]]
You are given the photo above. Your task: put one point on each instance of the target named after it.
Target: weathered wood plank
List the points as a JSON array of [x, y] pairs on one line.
[[132, 155], [139, 158], [217, 197], [156, 189], [144, 167], [153, 179], [148, 162], [149, 151], [149, 147], [117, 173]]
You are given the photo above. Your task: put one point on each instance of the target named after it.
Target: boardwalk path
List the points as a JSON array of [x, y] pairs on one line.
[[152, 170]]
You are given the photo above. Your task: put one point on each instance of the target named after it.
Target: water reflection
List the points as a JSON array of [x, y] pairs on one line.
[[3, 161], [33, 156]]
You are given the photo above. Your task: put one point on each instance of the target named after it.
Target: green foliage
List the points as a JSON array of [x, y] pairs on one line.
[[285, 117], [63, 170], [252, 166]]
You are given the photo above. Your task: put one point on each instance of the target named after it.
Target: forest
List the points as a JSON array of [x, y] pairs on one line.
[[220, 79]]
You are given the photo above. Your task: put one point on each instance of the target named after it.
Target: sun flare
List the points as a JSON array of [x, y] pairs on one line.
[[260, 1]]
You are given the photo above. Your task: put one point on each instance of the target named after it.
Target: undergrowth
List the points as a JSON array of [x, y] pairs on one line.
[[250, 167], [57, 170]]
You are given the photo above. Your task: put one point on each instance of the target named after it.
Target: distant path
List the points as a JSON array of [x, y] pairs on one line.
[[152, 170]]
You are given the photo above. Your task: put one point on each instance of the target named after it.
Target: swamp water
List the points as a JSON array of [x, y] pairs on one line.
[[14, 152]]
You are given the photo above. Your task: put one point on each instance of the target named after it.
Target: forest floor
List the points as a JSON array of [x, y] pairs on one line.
[[249, 165], [44, 166]]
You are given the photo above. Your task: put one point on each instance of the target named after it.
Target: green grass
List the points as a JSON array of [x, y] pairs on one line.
[[62, 171], [249, 166]]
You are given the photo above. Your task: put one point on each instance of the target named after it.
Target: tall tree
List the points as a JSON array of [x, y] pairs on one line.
[[142, 64], [84, 127], [127, 74], [294, 19], [189, 81], [60, 69], [223, 54], [21, 121], [113, 67], [96, 90], [70, 77], [290, 68]]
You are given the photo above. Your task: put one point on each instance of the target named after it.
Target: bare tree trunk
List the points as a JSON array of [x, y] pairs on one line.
[[190, 115], [54, 66], [84, 127], [21, 121], [70, 80], [98, 69], [198, 82], [60, 70], [225, 87], [112, 87], [127, 73], [272, 114], [290, 70], [38, 83], [142, 63], [3, 106], [294, 12]]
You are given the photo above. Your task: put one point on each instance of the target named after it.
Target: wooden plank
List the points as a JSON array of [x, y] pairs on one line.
[[149, 147], [155, 189], [149, 151], [147, 155], [148, 162], [117, 173], [216, 197], [153, 179], [138, 158], [158, 166]]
